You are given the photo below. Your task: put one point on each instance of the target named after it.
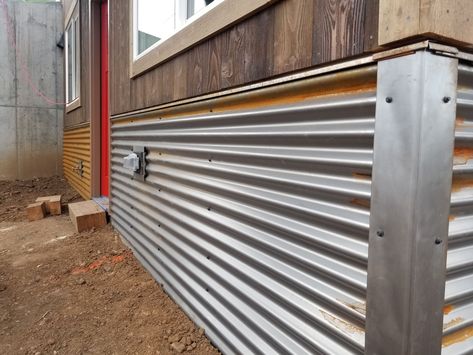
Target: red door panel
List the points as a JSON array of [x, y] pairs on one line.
[[104, 156]]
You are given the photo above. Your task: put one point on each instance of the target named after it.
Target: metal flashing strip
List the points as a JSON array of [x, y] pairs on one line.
[[412, 177], [401, 51], [450, 51], [434, 47]]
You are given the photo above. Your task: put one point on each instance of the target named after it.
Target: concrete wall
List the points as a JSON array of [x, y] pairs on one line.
[[31, 89]]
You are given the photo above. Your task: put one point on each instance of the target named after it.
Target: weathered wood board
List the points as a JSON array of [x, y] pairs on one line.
[[86, 215], [53, 204], [36, 211]]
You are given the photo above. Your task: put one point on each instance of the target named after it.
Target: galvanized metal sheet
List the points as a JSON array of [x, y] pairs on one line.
[[458, 310], [256, 221], [412, 174]]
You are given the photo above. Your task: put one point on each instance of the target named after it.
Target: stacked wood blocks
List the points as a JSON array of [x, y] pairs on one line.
[[44, 206]]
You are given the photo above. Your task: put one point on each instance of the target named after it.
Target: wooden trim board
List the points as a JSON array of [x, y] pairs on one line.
[[402, 19]]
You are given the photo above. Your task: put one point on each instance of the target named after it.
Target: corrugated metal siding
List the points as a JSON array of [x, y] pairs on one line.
[[257, 222], [76, 148], [458, 311]]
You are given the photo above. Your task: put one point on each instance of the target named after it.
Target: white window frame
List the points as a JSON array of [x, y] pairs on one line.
[[180, 19], [73, 21], [212, 19]]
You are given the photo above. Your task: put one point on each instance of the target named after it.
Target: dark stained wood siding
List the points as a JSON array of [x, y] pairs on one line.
[[288, 36], [293, 35], [339, 33], [80, 115]]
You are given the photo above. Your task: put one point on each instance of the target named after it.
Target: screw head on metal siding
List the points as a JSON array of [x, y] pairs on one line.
[[389, 99], [438, 241], [380, 233], [446, 99]]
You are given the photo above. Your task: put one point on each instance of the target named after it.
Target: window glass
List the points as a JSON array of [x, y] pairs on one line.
[[194, 6], [69, 56], [158, 20], [76, 58], [72, 58]]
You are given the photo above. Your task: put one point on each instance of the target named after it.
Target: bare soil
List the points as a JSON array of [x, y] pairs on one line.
[[16, 195], [68, 293]]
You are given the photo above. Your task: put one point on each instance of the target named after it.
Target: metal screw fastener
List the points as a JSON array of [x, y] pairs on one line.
[[446, 99], [389, 99], [438, 241], [380, 233]]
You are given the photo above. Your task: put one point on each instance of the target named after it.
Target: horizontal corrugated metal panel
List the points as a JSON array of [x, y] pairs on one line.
[[458, 311], [256, 221], [77, 148]]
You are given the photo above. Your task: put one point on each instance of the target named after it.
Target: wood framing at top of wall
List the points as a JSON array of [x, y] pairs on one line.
[[402, 19]]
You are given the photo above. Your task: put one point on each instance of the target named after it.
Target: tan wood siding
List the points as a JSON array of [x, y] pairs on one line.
[[288, 36], [450, 20], [77, 148]]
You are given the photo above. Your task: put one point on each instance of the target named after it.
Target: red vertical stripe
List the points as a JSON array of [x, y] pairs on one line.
[[104, 165]]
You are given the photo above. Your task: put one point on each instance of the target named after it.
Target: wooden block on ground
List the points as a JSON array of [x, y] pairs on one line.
[[36, 211], [53, 204], [86, 215]]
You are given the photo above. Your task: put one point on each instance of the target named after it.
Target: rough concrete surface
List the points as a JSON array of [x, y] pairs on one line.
[[31, 90]]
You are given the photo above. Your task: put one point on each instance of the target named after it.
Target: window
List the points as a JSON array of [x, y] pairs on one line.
[[162, 29], [72, 39], [158, 20]]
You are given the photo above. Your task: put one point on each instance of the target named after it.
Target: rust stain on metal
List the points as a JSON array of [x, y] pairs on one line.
[[299, 97], [460, 183], [461, 155], [457, 337], [342, 324], [453, 322], [360, 202], [362, 176], [459, 122], [448, 307], [450, 218], [360, 307]]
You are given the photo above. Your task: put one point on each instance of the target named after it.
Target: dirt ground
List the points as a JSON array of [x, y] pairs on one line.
[[16, 195], [68, 293]]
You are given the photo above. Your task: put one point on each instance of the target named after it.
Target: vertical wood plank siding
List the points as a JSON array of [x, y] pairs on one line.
[[288, 36], [340, 32], [77, 148]]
